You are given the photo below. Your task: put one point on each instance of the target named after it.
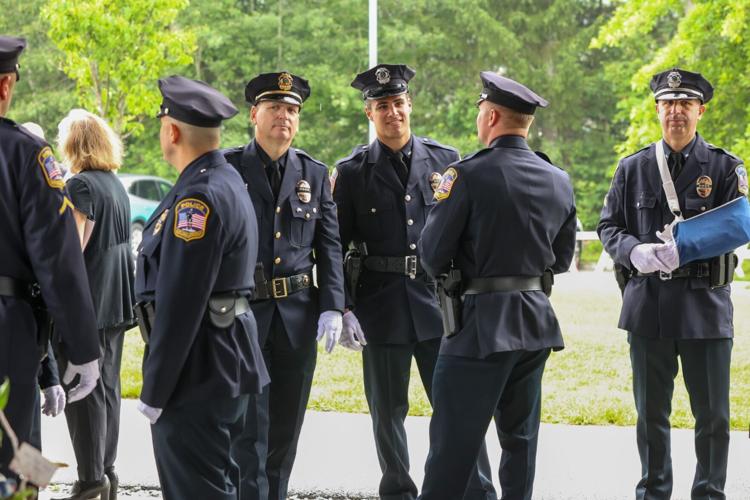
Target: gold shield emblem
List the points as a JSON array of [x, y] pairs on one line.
[[703, 186], [303, 191], [285, 81], [435, 179]]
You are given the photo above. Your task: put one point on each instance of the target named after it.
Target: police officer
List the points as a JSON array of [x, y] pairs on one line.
[[684, 314], [194, 277], [298, 229], [384, 192], [506, 219], [39, 252]]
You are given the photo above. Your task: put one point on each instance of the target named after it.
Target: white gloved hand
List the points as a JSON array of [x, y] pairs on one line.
[[667, 253], [54, 400], [330, 325], [89, 373], [152, 414], [644, 258], [352, 336]]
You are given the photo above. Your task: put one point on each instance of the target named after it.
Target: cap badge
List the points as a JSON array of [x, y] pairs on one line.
[[674, 80], [285, 81], [703, 186], [435, 179], [382, 75], [303, 191]]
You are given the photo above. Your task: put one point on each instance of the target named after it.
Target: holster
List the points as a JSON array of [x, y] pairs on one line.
[[721, 270], [223, 308], [448, 288], [622, 276], [144, 312], [353, 264]]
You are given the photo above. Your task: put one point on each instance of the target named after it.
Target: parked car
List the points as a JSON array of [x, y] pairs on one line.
[[145, 193]]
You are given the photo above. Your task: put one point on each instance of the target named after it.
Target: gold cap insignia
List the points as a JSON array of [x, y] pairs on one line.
[[285, 81]]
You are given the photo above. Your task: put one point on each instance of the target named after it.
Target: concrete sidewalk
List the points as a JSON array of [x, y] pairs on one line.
[[337, 458]]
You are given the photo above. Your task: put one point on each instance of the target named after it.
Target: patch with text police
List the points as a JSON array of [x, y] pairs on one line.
[[190, 219], [446, 184], [741, 179], [703, 186], [51, 169]]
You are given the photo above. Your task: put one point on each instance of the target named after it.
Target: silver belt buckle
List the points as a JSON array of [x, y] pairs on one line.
[[665, 276], [410, 266]]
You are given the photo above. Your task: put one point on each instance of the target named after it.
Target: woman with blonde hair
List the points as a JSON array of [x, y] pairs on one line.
[[93, 152]]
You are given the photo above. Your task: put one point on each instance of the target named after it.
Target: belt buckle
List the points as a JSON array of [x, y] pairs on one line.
[[278, 288], [410, 266], [665, 276]]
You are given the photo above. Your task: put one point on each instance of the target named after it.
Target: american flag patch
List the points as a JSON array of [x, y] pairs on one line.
[[191, 217], [51, 168], [443, 191]]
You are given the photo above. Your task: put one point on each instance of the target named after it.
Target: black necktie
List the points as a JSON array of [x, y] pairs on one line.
[[274, 177], [402, 170], [675, 162]]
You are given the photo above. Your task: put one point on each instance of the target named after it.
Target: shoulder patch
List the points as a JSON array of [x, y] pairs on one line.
[[191, 219], [443, 191], [51, 169], [742, 186]]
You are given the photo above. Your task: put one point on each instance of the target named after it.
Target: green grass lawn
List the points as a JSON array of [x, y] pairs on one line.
[[589, 382]]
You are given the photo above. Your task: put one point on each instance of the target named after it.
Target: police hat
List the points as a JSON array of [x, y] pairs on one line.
[[194, 102], [509, 93], [677, 83], [10, 48], [283, 86], [384, 80]]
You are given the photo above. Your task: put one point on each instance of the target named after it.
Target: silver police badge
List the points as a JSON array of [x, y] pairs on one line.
[[303, 191], [674, 80], [435, 179], [382, 75]]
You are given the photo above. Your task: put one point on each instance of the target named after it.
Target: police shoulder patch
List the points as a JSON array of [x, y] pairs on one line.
[[191, 219], [443, 191], [742, 185], [50, 168]]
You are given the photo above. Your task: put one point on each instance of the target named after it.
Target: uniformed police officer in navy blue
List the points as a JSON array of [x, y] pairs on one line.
[[384, 192], [39, 253], [506, 219], [193, 280], [683, 313], [298, 230]]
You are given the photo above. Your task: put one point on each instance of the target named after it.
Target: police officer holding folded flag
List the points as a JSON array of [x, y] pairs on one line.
[[42, 275], [297, 230], [193, 281], [505, 219], [384, 192], [673, 312]]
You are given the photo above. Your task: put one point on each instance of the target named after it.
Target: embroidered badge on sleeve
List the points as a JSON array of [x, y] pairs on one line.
[[443, 191], [51, 168], [741, 179], [191, 218]]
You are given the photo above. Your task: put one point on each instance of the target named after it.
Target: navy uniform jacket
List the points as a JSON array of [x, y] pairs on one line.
[[179, 268], [509, 213], [374, 208], [635, 208], [39, 243], [294, 236]]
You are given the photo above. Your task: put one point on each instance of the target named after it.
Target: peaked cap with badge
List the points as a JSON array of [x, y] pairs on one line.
[[677, 84], [384, 80], [282, 86], [10, 48], [509, 93], [194, 102]]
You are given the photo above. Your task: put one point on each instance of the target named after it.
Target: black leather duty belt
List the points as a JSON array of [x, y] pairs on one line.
[[408, 265], [694, 270], [278, 288], [12, 287], [503, 284]]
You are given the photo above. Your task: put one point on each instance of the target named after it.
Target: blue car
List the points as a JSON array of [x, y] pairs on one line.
[[145, 193]]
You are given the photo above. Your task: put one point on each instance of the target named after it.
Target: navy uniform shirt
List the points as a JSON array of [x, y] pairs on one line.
[[635, 208], [504, 212], [374, 208], [294, 235], [200, 241], [39, 243]]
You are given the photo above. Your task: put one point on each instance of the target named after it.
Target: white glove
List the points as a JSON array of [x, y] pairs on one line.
[[644, 258], [330, 325], [152, 414], [89, 373], [352, 336], [54, 400], [667, 253]]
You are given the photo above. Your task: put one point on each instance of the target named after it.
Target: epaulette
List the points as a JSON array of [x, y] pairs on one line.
[[633, 154], [722, 150], [356, 151], [432, 142], [304, 153], [474, 154], [233, 151]]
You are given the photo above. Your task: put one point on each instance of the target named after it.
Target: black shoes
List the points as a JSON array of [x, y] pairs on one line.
[[87, 490], [114, 482]]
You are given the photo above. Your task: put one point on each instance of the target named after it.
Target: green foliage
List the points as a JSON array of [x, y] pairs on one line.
[[4, 393]]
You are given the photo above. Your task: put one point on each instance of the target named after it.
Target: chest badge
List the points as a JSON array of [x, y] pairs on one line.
[[703, 186], [741, 179], [303, 191], [191, 216], [160, 222], [435, 179]]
